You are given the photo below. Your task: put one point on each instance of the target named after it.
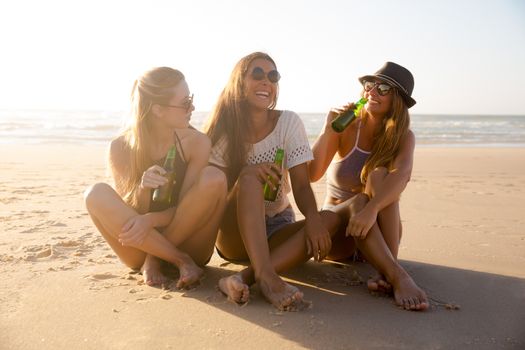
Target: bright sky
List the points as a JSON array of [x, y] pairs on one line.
[[468, 57]]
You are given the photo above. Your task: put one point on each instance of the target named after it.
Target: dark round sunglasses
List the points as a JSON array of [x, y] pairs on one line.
[[382, 88], [258, 74]]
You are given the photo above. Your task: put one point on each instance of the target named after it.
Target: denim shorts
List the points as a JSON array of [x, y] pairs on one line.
[[286, 217], [273, 224]]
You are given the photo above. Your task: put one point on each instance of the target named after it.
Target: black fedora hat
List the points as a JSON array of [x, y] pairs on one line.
[[397, 76]]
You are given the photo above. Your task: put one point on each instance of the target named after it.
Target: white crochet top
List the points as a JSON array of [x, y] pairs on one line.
[[290, 135]]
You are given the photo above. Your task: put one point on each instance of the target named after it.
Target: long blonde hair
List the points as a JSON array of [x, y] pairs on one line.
[[155, 86], [229, 117], [387, 140]]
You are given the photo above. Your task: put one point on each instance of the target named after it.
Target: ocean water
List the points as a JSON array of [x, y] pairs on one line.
[[98, 127]]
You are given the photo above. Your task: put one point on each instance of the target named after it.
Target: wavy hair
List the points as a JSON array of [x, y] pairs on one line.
[[228, 118], [387, 140], [155, 86]]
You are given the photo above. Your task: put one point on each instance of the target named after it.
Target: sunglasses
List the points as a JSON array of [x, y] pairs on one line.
[[258, 74], [186, 105], [382, 88]]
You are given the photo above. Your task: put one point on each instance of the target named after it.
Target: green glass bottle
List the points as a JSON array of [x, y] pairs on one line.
[[269, 193], [162, 194], [344, 119]]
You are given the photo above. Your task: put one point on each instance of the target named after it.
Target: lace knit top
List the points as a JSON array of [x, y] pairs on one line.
[[290, 135]]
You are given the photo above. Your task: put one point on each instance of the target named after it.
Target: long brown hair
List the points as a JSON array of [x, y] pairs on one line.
[[155, 86], [228, 118], [387, 140]]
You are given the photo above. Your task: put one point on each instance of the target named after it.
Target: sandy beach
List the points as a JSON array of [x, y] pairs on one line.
[[463, 242]]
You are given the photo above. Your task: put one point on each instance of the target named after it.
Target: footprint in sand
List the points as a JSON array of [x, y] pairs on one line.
[[31, 230], [101, 276], [9, 200], [69, 244], [39, 211], [39, 253]]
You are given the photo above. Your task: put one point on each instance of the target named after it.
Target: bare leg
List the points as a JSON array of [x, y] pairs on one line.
[[343, 247], [288, 245], [152, 272], [249, 238], [288, 249], [389, 222], [229, 244], [196, 223], [250, 206], [406, 293], [110, 213]]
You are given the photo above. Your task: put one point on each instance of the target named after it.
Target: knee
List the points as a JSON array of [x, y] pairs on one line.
[[214, 181], [93, 194], [247, 180]]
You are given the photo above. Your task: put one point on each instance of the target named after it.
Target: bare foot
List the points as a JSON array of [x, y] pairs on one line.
[[378, 283], [235, 289], [189, 274], [151, 272], [282, 295], [408, 295]]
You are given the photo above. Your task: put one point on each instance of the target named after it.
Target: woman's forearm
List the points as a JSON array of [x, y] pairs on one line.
[[143, 199], [305, 200], [162, 218], [393, 185], [323, 150]]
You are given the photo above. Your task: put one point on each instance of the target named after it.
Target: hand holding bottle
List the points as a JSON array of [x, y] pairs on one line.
[[264, 172], [348, 115], [334, 113], [163, 194], [153, 177], [271, 188]]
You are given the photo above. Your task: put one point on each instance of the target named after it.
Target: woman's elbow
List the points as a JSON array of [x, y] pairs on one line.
[[313, 172]]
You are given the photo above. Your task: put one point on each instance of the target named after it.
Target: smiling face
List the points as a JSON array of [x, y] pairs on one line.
[[260, 93], [378, 105]]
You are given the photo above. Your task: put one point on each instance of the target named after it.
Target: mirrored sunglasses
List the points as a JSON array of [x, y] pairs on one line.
[[382, 88]]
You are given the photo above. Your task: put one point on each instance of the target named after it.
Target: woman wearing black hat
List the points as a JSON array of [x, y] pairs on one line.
[[368, 165]]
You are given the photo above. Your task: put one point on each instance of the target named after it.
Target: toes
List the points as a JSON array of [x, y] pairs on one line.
[[372, 286]]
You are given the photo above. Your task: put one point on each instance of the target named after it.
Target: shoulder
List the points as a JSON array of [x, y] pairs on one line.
[[119, 147], [192, 138], [290, 122], [119, 154], [194, 143], [408, 143], [290, 117], [410, 138]]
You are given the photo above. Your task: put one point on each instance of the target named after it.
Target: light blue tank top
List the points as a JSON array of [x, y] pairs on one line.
[[343, 177]]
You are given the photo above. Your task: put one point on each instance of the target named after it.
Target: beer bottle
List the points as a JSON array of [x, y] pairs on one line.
[[344, 119], [269, 193], [162, 194]]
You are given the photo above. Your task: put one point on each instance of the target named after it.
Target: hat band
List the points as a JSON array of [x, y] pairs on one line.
[[393, 82]]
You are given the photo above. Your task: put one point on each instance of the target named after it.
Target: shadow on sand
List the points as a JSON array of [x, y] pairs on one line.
[[344, 315]]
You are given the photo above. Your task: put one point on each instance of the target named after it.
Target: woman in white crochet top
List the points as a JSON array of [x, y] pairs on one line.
[[246, 132]]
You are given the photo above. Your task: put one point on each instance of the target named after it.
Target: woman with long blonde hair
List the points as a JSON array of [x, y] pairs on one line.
[[368, 165], [141, 231]]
